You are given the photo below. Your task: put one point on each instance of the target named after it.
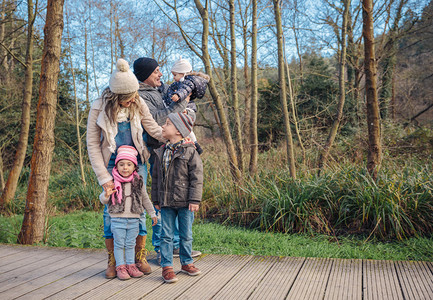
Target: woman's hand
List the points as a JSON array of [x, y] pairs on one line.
[[154, 221], [108, 187]]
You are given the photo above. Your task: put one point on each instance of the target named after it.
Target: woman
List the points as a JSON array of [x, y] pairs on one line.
[[117, 118]]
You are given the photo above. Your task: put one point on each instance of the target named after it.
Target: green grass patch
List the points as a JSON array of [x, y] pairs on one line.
[[85, 230]]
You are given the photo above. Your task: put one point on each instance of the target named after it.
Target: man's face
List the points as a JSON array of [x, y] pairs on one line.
[[154, 79]]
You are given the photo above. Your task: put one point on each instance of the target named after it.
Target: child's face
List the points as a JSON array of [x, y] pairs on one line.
[[169, 131], [125, 167], [177, 76]]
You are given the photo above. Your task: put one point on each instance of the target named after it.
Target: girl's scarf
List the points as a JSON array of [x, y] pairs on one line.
[[118, 180]]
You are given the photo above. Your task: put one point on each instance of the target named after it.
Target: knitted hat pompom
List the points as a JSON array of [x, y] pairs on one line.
[[122, 65]]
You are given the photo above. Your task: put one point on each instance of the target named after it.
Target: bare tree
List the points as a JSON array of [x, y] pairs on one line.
[[234, 87], [34, 214], [283, 95], [342, 89], [12, 181], [254, 141], [373, 118]]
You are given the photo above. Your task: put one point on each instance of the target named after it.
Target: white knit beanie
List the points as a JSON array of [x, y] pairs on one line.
[[123, 81], [181, 66]]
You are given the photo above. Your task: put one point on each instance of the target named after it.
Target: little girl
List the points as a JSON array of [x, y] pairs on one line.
[[126, 202], [186, 82]]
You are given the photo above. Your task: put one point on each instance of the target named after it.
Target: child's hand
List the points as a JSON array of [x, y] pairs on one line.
[[193, 207], [109, 192], [154, 221], [175, 98], [157, 207], [108, 186]]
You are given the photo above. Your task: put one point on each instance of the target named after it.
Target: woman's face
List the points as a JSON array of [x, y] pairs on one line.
[[128, 102]]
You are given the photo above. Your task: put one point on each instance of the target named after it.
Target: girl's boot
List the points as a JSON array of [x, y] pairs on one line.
[[111, 268], [140, 255]]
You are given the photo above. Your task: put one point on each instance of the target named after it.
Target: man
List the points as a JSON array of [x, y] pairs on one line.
[[151, 90]]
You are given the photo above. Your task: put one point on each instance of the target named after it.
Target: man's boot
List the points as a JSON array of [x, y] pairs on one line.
[[140, 255], [111, 268]]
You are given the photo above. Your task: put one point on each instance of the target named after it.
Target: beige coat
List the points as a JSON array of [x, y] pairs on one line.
[[98, 146]]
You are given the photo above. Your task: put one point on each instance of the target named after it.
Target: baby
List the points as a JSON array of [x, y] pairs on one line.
[[186, 82]]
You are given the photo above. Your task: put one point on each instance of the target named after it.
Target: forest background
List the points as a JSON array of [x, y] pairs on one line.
[[292, 141]]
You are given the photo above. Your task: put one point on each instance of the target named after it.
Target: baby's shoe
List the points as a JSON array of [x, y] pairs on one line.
[[198, 148], [168, 275], [122, 272], [133, 271]]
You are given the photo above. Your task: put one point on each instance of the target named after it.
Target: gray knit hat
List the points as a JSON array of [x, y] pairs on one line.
[[182, 122], [123, 81]]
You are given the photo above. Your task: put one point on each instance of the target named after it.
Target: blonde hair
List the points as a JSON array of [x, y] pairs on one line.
[[112, 104]]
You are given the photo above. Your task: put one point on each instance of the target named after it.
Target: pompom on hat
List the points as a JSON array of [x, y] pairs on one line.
[[182, 122], [123, 81], [127, 152], [181, 66], [143, 67]]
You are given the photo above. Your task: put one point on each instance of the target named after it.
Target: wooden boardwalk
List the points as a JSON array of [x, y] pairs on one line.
[[28, 272]]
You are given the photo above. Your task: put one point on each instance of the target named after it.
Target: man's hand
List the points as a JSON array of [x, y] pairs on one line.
[[193, 207], [188, 97], [175, 97]]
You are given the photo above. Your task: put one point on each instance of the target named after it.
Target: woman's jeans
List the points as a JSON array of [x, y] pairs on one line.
[[125, 231], [142, 170], [186, 218]]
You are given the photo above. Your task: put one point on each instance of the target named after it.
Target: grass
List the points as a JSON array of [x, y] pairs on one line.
[[84, 230]]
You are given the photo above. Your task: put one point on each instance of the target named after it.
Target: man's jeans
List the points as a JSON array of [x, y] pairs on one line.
[[186, 218], [125, 231]]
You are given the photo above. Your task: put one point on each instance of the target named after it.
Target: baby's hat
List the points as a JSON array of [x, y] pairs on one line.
[[181, 66], [123, 81], [182, 122], [126, 152]]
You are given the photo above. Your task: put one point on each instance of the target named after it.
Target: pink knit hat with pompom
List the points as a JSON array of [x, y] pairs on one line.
[[127, 152]]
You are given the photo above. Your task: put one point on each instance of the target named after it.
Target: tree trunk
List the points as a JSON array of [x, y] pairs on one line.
[[77, 108], [2, 177], [215, 95], [342, 90], [247, 98], [12, 181], [283, 95], [254, 141], [388, 64], [37, 193], [234, 88], [373, 118]]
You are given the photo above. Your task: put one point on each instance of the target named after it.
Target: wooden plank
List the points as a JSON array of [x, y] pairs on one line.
[[242, 285], [345, 280], [172, 291], [416, 279], [280, 278], [70, 280], [111, 287], [312, 279], [32, 263], [13, 261], [56, 271], [380, 280], [210, 283], [6, 250]]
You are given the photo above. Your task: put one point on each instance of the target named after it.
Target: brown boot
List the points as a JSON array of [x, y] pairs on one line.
[[111, 268], [140, 255]]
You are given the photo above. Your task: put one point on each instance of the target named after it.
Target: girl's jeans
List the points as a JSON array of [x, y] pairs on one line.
[[186, 218], [125, 231]]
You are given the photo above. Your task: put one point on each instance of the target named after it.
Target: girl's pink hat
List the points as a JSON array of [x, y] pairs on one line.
[[127, 152]]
